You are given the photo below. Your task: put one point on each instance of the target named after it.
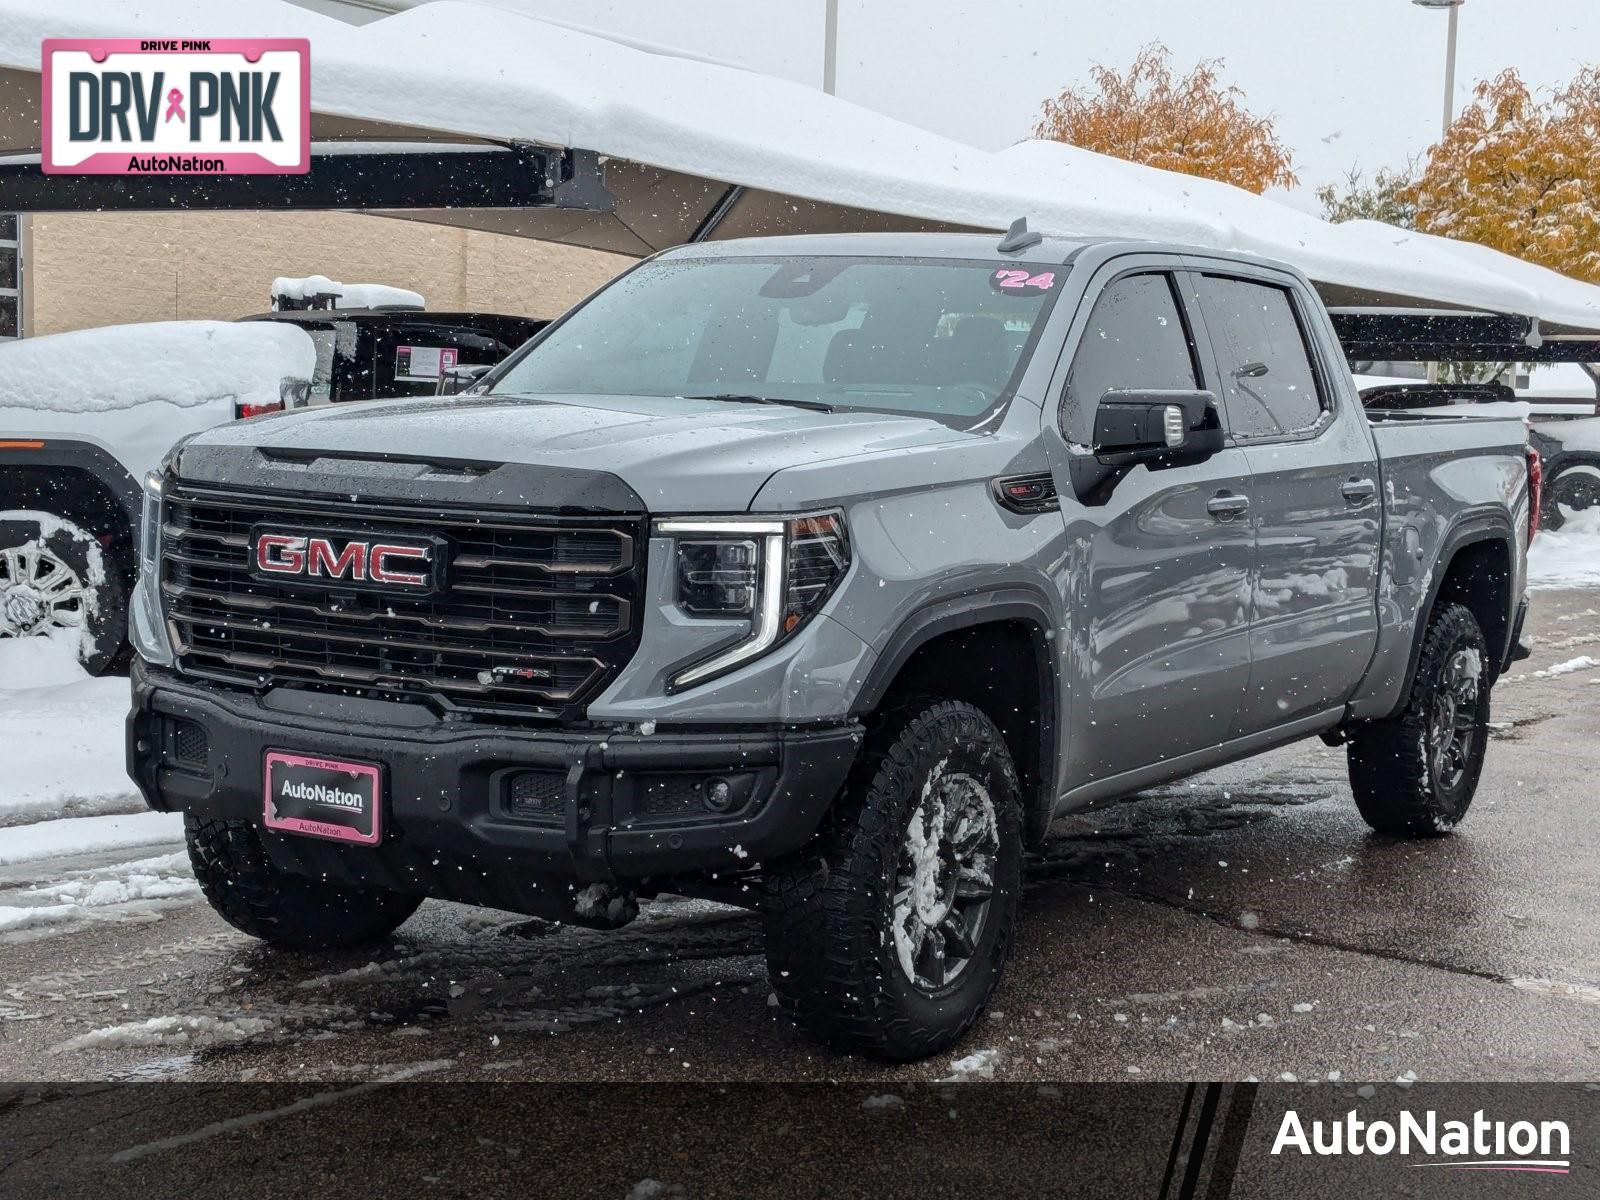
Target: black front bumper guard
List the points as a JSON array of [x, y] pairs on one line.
[[452, 826]]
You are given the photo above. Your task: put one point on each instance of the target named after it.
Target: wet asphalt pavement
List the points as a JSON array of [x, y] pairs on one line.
[[1244, 924]]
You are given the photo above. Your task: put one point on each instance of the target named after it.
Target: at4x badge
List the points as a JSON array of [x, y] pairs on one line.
[[500, 674]]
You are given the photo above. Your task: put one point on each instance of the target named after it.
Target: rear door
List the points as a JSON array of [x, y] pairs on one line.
[[1159, 573], [1314, 493]]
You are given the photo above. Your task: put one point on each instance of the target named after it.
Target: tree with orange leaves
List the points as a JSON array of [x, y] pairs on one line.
[[1520, 174], [1194, 125]]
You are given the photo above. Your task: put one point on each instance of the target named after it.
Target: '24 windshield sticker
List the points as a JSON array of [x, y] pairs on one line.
[[1010, 280]]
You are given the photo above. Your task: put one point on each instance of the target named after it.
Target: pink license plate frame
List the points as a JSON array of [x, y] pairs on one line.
[[340, 774]]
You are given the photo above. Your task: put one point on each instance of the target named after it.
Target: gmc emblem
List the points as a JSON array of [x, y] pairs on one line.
[[405, 565]]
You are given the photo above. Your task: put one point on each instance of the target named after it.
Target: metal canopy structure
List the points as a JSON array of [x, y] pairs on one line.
[[1416, 335], [571, 196], [343, 175], [516, 126]]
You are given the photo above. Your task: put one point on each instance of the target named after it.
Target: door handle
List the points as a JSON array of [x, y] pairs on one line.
[[1226, 506], [1358, 491]]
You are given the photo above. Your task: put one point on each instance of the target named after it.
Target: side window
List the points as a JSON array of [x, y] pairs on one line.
[[1135, 338], [1268, 382]]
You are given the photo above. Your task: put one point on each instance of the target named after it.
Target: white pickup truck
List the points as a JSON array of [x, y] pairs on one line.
[[83, 417]]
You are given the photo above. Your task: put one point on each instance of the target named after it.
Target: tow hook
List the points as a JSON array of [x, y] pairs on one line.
[[593, 906]]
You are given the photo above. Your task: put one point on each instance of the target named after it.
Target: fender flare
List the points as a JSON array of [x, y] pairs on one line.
[[87, 457], [57, 454], [1469, 529], [950, 614]]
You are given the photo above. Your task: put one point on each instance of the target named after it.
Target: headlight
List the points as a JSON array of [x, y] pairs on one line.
[[775, 572], [150, 522]]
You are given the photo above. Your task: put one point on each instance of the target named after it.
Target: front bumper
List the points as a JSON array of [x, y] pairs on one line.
[[484, 813]]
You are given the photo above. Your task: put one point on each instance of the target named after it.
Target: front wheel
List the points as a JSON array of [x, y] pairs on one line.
[[1414, 773], [294, 912], [56, 581], [888, 936]]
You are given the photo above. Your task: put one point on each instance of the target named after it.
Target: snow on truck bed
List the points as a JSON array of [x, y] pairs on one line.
[[182, 363], [351, 295]]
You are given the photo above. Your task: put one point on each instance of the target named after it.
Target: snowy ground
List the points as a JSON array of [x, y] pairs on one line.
[[1568, 557], [76, 842]]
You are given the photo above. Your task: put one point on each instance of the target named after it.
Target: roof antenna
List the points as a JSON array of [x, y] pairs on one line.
[[1018, 239]]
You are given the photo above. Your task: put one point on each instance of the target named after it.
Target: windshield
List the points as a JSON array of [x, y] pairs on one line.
[[940, 338]]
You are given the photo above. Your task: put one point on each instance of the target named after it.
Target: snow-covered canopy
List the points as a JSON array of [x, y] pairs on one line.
[[184, 363], [346, 295], [676, 133]]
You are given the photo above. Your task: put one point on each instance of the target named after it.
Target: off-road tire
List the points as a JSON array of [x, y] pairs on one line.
[[831, 951], [104, 641], [1393, 768], [295, 912]]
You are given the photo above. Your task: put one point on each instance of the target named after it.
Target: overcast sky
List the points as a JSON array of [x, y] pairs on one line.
[[1349, 81]]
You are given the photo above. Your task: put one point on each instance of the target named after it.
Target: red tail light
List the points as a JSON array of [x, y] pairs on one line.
[[1535, 492], [241, 411]]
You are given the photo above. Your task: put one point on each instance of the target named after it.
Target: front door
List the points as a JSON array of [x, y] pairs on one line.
[[1160, 572], [1314, 496]]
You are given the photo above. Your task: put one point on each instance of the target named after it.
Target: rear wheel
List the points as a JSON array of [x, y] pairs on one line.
[[1414, 774], [1574, 491], [57, 581], [295, 912], [888, 936]]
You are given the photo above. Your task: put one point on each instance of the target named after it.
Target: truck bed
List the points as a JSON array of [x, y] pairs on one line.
[[1442, 472]]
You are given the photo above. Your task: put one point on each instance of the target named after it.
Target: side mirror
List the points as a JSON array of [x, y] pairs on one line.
[[459, 379], [1159, 428]]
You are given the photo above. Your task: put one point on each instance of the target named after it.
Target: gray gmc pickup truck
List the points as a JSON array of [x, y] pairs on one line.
[[816, 574]]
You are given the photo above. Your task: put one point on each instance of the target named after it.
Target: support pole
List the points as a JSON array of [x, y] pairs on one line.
[[830, 46]]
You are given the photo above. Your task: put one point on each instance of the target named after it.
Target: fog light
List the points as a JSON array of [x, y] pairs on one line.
[[719, 795]]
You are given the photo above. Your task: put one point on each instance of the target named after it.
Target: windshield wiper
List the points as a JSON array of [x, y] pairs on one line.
[[739, 398]]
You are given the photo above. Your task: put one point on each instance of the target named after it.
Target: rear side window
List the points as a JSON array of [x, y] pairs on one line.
[[1136, 339], [1268, 382]]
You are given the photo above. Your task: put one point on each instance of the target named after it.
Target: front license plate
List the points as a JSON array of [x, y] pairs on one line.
[[322, 797]]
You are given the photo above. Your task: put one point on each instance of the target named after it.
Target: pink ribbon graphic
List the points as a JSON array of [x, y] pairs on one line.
[[175, 106]]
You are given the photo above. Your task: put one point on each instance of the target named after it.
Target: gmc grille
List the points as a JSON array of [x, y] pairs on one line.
[[539, 612]]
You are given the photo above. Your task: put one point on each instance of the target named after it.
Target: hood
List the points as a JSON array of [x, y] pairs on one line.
[[678, 455]]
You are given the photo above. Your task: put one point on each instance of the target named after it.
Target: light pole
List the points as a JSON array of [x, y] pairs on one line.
[[830, 45], [1449, 55]]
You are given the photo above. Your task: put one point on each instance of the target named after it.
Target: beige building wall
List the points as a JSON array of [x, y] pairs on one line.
[[90, 269]]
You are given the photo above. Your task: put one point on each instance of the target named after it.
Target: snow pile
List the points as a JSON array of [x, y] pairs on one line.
[[1568, 557], [164, 877], [88, 835], [184, 363], [31, 663], [63, 737], [350, 295], [1571, 667], [132, 891], [159, 1031], [980, 1064]]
